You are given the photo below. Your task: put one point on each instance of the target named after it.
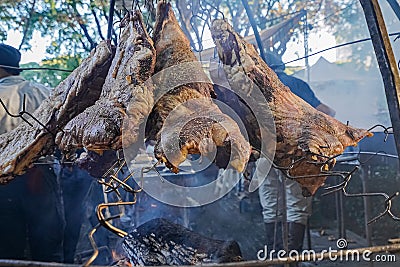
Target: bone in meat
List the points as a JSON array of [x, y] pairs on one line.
[[301, 131], [192, 100], [100, 126], [20, 147]]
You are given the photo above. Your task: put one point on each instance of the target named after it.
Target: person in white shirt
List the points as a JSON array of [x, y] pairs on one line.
[[31, 210]]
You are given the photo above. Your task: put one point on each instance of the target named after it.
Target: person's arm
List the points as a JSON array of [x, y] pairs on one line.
[[315, 102], [303, 90]]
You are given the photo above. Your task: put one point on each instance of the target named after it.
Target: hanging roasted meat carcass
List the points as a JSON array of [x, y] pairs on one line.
[[207, 127], [124, 96], [25, 144], [306, 138]]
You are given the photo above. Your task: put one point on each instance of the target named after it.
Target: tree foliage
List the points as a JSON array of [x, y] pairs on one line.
[[74, 26], [351, 26], [77, 26], [343, 18]]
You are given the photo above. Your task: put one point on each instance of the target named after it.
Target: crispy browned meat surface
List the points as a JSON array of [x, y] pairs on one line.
[[301, 131], [22, 146], [208, 123], [100, 126]]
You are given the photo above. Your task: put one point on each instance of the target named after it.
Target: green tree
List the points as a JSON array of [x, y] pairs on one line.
[[76, 26], [193, 15], [351, 26]]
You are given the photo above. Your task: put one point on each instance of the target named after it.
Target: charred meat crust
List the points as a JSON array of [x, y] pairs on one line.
[[173, 49], [302, 131], [124, 95], [25, 144]]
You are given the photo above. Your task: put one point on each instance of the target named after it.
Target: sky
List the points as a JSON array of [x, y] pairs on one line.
[[317, 41], [39, 44]]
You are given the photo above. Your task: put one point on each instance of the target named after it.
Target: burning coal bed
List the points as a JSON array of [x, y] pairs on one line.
[[161, 242]]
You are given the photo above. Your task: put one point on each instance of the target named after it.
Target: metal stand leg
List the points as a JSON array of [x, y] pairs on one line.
[[365, 173], [309, 246], [277, 212], [340, 213], [367, 211], [285, 230]]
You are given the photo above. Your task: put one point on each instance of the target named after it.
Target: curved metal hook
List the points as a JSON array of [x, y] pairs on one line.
[[385, 130], [23, 112]]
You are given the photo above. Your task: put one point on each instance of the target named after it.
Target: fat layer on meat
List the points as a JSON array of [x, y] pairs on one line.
[[305, 137], [24, 144]]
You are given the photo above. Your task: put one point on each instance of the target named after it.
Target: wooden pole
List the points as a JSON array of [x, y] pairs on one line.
[[387, 62]]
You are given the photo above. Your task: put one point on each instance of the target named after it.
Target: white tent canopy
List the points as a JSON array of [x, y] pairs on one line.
[[323, 70]]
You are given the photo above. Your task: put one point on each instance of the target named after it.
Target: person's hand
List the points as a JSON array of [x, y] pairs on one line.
[[325, 109]]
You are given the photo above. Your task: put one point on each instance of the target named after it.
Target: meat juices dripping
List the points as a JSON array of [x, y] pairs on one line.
[[302, 131], [192, 100], [25, 144], [100, 126]]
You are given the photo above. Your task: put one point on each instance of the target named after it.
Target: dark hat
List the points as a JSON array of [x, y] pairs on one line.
[[274, 62], [10, 56]]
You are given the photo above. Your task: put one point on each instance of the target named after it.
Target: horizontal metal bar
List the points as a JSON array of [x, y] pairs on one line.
[[372, 153]]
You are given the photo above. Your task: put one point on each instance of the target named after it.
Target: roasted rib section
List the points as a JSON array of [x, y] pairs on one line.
[[306, 138], [23, 145], [124, 93], [195, 124]]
